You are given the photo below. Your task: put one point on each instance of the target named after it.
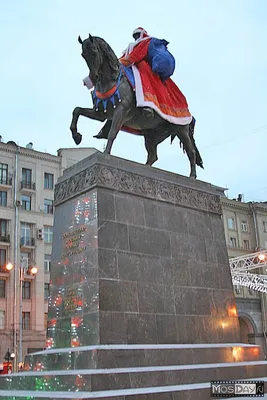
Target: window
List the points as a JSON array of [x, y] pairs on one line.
[[47, 262], [265, 226], [48, 181], [26, 317], [2, 288], [48, 206], [3, 227], [233, 242], [48, 234], [25, 230], [231, 223], [45, 320], [26, 290], [3, 173], [26, 203], [46, 291], [2, 257], [26, 177], [25, 234], [244, 226], [24, 260], [237, 289], [3, 198], [246, 245], [2, 319]]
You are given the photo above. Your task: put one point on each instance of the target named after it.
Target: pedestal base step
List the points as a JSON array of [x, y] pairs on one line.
[[199, 391], [129, 379], [123, 356]]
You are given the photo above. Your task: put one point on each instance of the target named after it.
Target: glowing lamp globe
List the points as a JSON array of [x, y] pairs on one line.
[[9, 266], [33, 270], [261, 257]]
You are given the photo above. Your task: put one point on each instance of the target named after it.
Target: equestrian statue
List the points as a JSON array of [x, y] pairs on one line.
[[136, 94]]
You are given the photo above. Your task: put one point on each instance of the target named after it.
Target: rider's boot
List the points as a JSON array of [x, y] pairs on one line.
[[147, 112], [103, 134]]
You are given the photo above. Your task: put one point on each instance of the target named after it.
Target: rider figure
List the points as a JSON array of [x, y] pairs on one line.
[[134, 52], [140, 36], [151, 50]]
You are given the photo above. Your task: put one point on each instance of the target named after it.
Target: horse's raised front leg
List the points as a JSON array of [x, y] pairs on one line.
[[183, 134], [85, 112], [116, 125]]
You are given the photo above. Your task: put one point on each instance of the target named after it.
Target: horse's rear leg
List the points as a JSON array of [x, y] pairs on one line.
[[152, 139], [151, 148], [183, 134], [85, 112]]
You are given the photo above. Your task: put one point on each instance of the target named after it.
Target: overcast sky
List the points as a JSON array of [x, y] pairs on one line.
[[221, 67]]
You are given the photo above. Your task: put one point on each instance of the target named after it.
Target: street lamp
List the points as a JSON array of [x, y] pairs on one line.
[[262, 257], [9, 357], [9, 266], [29, 270], [32, 270]]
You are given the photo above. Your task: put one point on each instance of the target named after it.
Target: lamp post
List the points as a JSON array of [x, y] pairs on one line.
[[29, 270], [9, 357]]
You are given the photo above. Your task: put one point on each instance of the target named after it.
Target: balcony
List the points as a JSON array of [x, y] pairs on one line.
[[6, 181], [27, 242], [27, 186], [5, 240]]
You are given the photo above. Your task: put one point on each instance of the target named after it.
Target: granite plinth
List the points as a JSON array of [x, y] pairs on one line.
[[139, 261], [144, 252]]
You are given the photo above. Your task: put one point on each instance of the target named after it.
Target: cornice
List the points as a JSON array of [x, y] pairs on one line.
[[110, 177], [31, 153], [234, 204], [245, 207]]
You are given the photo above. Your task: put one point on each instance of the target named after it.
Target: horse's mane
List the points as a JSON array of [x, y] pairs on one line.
[[106, 53]]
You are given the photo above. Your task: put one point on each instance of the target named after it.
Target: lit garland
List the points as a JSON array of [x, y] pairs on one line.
[[66, 302]]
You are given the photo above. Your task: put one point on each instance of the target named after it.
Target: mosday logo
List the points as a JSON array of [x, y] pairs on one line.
[[237, 388]]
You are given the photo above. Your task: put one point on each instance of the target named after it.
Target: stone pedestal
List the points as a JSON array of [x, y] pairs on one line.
[[142, 304]]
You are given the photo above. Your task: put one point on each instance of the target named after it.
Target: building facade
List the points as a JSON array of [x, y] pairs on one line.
[[246, 232], [27, 180]]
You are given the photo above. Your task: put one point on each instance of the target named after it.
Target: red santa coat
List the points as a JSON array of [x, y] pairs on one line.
[[166, 99]]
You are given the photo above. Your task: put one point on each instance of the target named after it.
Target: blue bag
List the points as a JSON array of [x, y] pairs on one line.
[[160, 59]]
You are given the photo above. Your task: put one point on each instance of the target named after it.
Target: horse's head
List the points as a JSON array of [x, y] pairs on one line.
[[99, 57], [92, 56]]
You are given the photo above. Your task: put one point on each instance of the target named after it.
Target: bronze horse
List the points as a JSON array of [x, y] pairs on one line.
[[105, 70]]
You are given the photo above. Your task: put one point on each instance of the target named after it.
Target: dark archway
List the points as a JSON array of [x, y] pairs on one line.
[[248, 329]]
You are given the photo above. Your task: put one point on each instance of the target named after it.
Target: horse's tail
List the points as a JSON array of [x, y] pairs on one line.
[[192, 124]]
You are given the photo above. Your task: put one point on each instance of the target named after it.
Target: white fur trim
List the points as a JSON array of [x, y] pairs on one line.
[[139, 30], [132, 45], [140, 102]]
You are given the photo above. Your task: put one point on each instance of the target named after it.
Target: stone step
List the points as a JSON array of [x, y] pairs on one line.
[[181, 392], [122, 356], [126, 378], [196, 391]]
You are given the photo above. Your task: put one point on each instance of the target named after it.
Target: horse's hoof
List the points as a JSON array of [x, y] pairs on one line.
[[100, 135], [77, 137]]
